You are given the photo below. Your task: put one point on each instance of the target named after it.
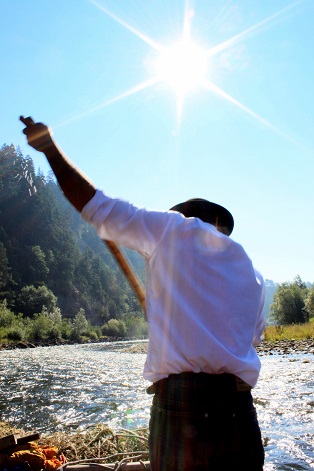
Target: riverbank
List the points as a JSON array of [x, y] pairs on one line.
[[24, 344], [267, 347], [290, 346]]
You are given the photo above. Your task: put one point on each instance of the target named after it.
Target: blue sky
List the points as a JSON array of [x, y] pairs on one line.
[[242, 137]]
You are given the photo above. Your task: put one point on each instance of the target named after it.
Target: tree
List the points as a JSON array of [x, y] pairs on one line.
[[5, 272], [288, 305], [31, 300], [114, 328], [34, 266], [80, 324], [136, 325], [309, 302], [39, 327], [297, 280], [16, 172]]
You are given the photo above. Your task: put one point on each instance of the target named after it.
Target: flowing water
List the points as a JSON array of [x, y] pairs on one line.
[[68, 387]]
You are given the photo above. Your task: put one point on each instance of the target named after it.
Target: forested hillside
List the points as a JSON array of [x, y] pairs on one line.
[[47, 251]]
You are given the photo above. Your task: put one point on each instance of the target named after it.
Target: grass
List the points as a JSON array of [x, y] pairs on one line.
[[289, 332]]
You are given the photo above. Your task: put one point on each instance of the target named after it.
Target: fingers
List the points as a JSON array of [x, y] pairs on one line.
[[27, 121], [39, 136]]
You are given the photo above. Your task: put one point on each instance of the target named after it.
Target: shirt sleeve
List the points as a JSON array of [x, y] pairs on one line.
[[260, 324], [127, 225]]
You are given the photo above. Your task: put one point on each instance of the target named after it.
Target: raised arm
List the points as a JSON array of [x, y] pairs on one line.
[[75, 185]]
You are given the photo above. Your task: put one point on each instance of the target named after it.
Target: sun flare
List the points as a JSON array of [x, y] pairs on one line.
[[183, 66]]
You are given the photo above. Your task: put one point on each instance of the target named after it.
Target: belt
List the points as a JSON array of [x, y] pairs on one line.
[[242, 386], [224, 382]]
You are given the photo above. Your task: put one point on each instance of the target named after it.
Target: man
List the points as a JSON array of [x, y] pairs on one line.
[[204, 308]]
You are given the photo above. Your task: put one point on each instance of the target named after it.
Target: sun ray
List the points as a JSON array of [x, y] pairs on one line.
[[210, 86], [138, 88], [188, 13], [179, 109], [130, 28], [181, 89], [249, 31]]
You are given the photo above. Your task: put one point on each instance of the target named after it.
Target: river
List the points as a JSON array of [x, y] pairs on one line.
[[64, 388]]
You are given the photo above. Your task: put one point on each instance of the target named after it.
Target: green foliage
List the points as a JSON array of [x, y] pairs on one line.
[[15, 334], [47, 326], [79, 325], [92, 335], [38, 269], [66, 329], [309, 303], [32, 300], [136, 326], [114, 328], [7, 317], [40, 327], [288, 305], [11, 326], [5, 272]]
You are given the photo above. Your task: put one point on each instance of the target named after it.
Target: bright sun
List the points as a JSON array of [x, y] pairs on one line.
[[183, 66]]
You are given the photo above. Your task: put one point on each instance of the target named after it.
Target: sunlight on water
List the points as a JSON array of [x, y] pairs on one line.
[[73, 386], [284, 399], [69, 387]]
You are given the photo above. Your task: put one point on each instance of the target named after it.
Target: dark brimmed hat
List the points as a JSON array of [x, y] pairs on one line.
[[206, 211]]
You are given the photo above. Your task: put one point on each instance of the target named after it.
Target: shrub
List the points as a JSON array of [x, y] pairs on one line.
[[15, 334], [136, 326], [39, 327], [54, 333], [114, 328], [7, 317], [80, 323], [93, 335], [66, 329]]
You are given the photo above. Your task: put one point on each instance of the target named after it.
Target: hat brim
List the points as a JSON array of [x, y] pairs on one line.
[[207, 211]]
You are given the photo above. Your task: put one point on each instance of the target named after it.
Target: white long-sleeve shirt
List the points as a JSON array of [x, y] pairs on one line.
[[204, 299]]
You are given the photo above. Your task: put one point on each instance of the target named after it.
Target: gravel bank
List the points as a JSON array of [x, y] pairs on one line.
[[265, 348]]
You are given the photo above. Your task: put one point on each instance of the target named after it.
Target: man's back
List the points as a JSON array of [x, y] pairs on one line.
[[206, 302], [203, 296]]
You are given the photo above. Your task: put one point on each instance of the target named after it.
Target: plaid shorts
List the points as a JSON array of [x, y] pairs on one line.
[[204, 422]]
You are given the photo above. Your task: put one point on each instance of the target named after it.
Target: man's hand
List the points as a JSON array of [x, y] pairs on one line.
[[39, 136], [74, 184]]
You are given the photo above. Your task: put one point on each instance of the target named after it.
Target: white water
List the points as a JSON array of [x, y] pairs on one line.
[[64, 388]]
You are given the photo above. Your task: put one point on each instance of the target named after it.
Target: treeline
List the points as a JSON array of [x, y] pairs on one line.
[[50, 327], [292, 303], [53, 265]]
